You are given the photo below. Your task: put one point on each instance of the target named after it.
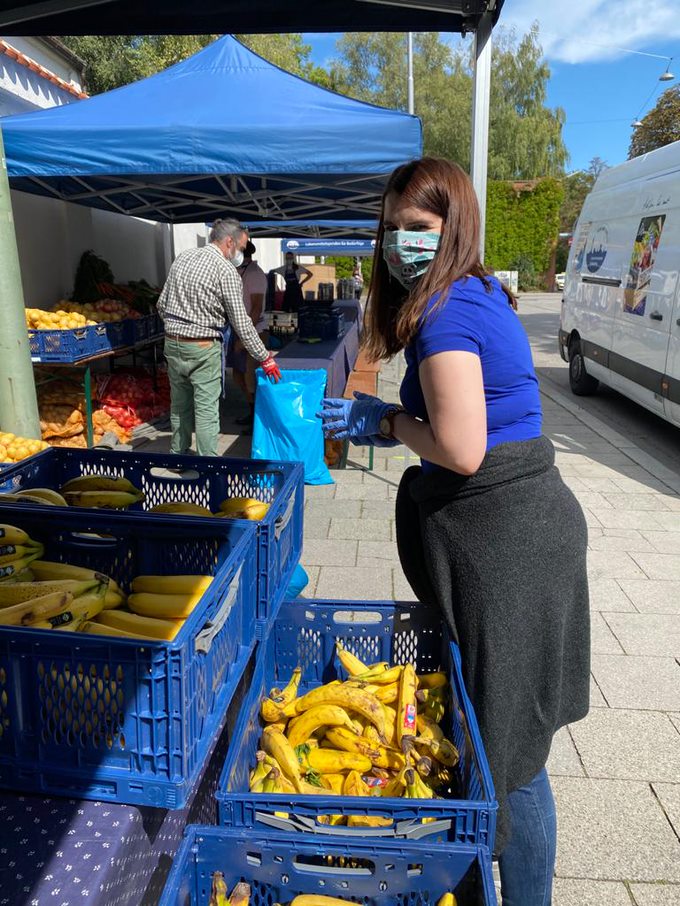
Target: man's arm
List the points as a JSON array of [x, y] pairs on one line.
[[237, 316]]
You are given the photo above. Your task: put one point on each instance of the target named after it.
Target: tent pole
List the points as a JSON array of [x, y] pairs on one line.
[[480, 118], [18, 401], [409, 56]]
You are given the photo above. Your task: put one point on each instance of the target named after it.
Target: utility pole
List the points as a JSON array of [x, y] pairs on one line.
[[18, 402], [481, 93], [409, 57]]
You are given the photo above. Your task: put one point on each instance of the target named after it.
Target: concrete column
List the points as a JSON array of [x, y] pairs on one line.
[[481, 93], [18, 402]]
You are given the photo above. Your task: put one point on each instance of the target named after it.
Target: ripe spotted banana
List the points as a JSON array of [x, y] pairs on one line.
[[147, 627], [348, 741], [331, 761], [368, 821], [279, 700], [406, 710], [108, 500], [181, 508], [243, 508], [286, 695], [322, 715], [10, 534], [428, 729], [23, 498], [218, 891], [16, 567], [276, 745], [354, 785], [347, 697], [18, 592], [443, 750], [169, 607], [381, 677], [36, 610], [99, 483], [171, 585], [432, 680], [85, 607]]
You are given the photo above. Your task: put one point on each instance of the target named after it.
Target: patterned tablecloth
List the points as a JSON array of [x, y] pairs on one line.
[[63, 852]]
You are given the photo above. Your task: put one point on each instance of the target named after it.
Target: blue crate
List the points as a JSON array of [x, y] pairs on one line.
[[142, 328], [68, 345], [119, 333], [126, 721], [304, 634], [279, 867], [203, 480]]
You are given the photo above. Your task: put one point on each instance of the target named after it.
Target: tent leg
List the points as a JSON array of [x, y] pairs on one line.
[[480, 118], [18, 401]]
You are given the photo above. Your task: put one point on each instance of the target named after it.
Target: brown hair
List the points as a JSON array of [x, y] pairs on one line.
[[393, 314]]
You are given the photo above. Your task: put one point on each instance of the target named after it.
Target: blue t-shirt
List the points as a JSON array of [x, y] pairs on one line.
[[478, 320]]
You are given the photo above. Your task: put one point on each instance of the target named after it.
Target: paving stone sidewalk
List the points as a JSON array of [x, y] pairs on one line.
[[616, 774]]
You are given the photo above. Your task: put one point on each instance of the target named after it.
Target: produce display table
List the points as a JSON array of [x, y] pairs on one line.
[[336, 357], [86, 364], [71, 851], [351, 308]]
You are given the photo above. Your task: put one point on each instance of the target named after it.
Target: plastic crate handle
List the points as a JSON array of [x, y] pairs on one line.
[[411, 829], [282, 521], [205, 637]]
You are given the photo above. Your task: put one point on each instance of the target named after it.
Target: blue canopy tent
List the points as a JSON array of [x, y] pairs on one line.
[[222, 133]]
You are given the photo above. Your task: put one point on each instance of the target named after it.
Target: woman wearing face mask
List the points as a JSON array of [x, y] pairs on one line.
[[486, 528], [294, 276]]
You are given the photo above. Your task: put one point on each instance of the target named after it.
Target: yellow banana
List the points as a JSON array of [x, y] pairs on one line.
[[16, 567], [349, 661], [406, 711], [347, 697], [18, 592], [276, 745], [240, 895], [258, 776], [332, 820], [99, 483], [390, 715], [448, 899], [288, 693], [11, 552], [368, 821], [35, 610], [10, 534], [443, 750], [169, 607], [317, 899], [46, 494], [354, 785], [113, 599], [85, 607], [387, 694], [48, 570], [181, 508], [394, 789], [146, 627], [218, 891], [370, 733], [73, 626], [244, 508], [381, 677], [92, 628], [322, 715], [432, 680], [333, 782], [24, 498], [348, 741], [108, 500], [171, 585], [428, 729], [331, 761]]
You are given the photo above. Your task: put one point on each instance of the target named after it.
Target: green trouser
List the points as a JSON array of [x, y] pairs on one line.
[[195, 374]]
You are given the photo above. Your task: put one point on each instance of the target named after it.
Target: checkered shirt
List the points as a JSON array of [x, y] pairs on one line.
[[202, 295]]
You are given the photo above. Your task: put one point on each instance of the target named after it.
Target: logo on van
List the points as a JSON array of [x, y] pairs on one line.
[[597, 250]]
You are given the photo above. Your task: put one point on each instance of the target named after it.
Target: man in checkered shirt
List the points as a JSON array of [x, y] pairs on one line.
[[202, 296]]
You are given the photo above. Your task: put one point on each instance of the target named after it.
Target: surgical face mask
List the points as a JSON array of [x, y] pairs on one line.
[[408, 254], [237, 259]]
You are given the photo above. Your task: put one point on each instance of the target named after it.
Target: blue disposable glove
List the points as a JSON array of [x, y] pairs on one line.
[[359, 417], [375, 440]]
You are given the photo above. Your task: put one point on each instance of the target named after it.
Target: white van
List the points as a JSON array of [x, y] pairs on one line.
[[620, 320]]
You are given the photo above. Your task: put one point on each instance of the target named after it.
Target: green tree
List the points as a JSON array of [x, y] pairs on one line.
[[660, 127], [525, 136], [115, 60]]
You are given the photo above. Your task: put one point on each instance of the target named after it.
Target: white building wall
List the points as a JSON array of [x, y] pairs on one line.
[[22, 90]]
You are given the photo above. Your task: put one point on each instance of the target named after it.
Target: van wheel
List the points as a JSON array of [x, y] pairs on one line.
[[581, 383]]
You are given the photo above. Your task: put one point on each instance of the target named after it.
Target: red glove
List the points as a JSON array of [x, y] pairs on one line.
[[271, 369]]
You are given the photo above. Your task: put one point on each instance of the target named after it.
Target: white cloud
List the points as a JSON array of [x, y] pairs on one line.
[[578, 31]]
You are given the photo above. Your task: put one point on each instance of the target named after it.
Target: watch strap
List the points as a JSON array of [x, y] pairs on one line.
[[389, 417]]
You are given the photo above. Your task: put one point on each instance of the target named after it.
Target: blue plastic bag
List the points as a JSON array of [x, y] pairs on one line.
[[298, 582], [286, 425]]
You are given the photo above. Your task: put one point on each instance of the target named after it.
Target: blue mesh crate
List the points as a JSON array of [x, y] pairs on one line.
[[203, 480], [114, 719], [142, 328], [279, 867], [68, 345], [304, 634], [119, 333]]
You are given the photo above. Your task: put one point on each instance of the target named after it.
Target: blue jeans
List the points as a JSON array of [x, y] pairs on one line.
[[527, 863]]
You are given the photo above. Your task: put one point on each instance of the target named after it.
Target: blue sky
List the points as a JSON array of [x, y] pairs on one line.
[[601, 87]]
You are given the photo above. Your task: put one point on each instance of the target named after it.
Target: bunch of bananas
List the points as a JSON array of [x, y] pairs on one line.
[[240, 895], [377, 734], [231, 508], [101, 492]]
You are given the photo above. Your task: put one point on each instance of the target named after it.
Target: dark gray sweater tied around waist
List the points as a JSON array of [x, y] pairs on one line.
[[503, 554]]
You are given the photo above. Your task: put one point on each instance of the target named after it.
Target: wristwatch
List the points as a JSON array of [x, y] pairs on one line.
[[386, 423]]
